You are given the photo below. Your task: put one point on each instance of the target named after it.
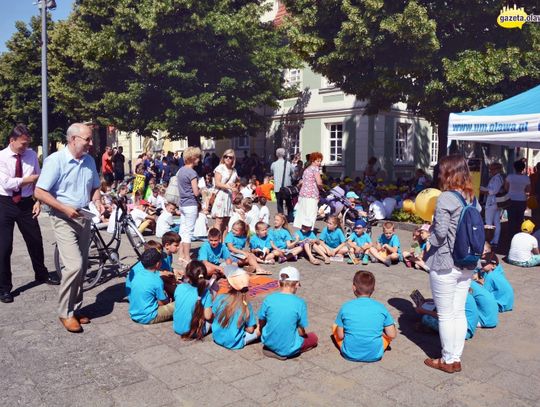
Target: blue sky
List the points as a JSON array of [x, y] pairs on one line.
[[14, 10]]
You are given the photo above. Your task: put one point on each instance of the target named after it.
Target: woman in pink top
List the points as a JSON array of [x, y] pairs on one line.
[[308, 199]]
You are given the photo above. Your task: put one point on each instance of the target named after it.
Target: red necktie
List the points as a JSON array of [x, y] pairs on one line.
[[18, 174]]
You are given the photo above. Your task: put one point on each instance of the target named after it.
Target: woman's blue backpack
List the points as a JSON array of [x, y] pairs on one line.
[[470, 237]]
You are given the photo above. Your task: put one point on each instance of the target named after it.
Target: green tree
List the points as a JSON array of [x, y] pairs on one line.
[[194, 68], [438, 57], [20, 84]]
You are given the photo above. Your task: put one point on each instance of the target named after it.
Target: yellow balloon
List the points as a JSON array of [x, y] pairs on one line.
[[425, 203], [408, 205], [532, 202], [413, 209]]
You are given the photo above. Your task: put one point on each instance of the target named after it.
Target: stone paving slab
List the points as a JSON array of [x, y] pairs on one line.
[[116, 362]]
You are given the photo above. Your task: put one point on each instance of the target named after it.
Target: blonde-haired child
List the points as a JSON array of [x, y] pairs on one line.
[[387, 250], [332, 237], [415, 257], [236, 241], [281, 240]]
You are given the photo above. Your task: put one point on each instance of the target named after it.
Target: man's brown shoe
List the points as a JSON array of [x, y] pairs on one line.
[[82, 319], [71, 324], [440, 365], [457, 366]]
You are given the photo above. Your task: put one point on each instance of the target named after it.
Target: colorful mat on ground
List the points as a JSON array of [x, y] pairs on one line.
[[257, 285]]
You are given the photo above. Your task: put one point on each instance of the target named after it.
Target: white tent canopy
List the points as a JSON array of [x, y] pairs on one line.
[[514, 122]]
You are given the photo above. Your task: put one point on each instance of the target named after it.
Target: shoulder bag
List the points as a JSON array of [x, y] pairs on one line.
[[290, 191]]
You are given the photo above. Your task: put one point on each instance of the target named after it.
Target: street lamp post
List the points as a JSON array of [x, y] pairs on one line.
[[44, 5]]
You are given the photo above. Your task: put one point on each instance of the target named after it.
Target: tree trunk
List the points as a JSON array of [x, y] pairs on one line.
[[442, 131]]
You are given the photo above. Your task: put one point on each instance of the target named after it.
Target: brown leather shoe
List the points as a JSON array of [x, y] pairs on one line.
[[440, 365], [457, 366], [71, 324], [82, 319]]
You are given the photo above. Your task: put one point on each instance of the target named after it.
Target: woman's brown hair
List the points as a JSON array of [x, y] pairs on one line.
[[454, 175]]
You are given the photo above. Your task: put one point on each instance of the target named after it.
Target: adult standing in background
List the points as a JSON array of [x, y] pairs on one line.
[[517, 185], [107, 166], [68, 182], [308, 198], [118, 161], [493, 213], [279, 168], [225, 177], [449, 283], [188, 188], [19, 171]]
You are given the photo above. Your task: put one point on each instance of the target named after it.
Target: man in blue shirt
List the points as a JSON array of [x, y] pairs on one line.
[[68, 182], [363, 328]]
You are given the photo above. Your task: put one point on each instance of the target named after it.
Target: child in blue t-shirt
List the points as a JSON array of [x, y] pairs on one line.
[[234, 320], [213, 253], [430, 318], [236, 241], [148, 302], [283, 319], [170, 275], [494, 280], [359, 243], [415, 258], [332, 238], [488, 310], [363, 328], [282, 243], [193, 300], [151, 244], [261, 246], [307, 240], [387, 250]]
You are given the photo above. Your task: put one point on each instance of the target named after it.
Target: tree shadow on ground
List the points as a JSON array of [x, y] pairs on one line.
[[408, 319], [105, 300]]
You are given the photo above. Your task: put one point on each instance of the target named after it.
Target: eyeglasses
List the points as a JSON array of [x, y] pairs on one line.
[[87, 139], [228, 157]]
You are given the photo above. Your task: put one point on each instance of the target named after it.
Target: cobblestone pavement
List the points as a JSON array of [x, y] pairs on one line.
[[116, 362]]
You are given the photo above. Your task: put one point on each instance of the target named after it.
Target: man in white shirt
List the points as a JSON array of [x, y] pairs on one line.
[[524, 247]]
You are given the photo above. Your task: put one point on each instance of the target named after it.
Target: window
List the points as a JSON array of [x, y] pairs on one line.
[[140, 142], [291, 140], [402, 145], [293, 77], [326, 84], [335, 140], [208, 144], [434, 147], [242, 142]]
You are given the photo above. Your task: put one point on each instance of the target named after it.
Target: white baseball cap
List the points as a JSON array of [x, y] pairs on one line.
[[289, 274]]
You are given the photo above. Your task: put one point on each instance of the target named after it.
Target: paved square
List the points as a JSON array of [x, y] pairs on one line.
[[117, 362]]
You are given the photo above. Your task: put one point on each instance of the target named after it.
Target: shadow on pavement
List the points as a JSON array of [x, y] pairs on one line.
[[105, 301], [407, 320]]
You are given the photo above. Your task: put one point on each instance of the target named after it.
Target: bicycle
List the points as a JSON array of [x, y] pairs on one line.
[[101, 252]]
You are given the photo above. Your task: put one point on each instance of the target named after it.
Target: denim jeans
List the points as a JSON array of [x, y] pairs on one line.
[[450, 289]]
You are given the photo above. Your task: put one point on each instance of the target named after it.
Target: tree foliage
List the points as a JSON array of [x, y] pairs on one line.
[[20, 84], [191, 67], [437, 56]]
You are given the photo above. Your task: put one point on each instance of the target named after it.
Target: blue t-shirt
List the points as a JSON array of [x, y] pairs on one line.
[[496, 283], [280, 237], [238, 242], [185, 298], [129, 279], [488, 310], [283, 314], [146, 290], [166, 262], [214, 256], [260, 243], [309, 235], [392, 242], [363, 321], [232, 336], [471, 313], [332, 238], [360, 240]]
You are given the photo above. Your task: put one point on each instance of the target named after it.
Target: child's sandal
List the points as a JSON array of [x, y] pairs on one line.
[[315, 262]]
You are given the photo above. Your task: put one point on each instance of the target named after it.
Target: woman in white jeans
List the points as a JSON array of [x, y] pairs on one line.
[[493, 213], [188, 188], [449, 284]]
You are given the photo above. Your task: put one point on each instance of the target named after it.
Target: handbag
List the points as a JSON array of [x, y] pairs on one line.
[[213, 195], [290, 191], [501, 198], [172, 194]]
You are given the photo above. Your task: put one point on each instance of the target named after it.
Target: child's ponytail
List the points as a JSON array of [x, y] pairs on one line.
[[197, 275]]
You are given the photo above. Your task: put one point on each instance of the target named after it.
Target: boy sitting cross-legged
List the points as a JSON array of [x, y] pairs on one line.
[[387, 250], [213, 253], [364, 328], [148, 302], [283, 319]]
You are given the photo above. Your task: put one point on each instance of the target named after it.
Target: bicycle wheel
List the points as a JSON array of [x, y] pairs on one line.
[[95, 265], [135, 238]]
